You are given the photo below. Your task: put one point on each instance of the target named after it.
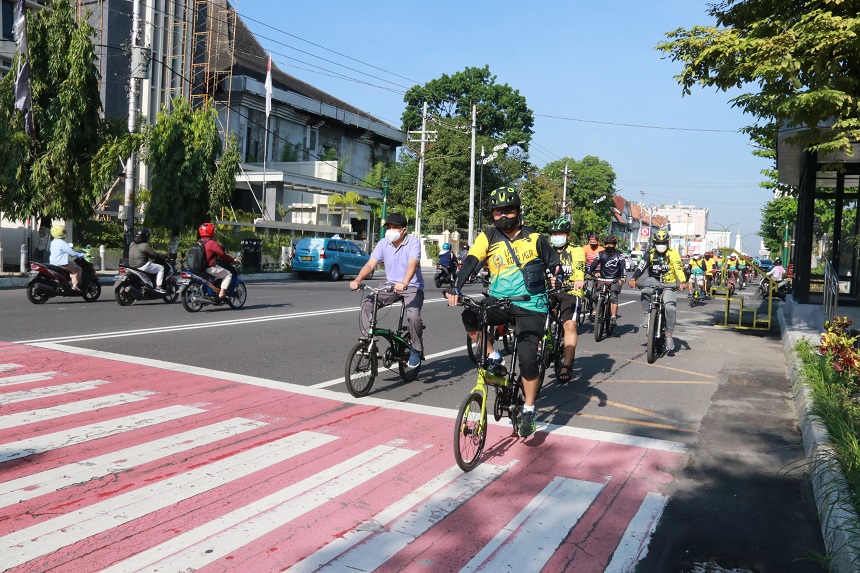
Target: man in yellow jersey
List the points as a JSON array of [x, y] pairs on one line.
[[573, 267], [710, 271], [518, 258], [661, 265]]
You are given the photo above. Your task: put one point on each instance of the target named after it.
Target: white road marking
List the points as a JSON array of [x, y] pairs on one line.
[[219, 537], [41, 539], [336, 381], [41, 483], [634, 543], [24, 378], [81, 434], [54, 412], [8, 367], [36, 393], [539, 529]]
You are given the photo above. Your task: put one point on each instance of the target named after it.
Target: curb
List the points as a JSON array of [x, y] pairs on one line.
[[836, 515], [17, 281]]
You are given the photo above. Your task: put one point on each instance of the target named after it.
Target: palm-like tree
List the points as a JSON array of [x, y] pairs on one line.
[[347, 201]]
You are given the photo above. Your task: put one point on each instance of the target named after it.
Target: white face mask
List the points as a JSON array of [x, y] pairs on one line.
[[558, 240], [661, 248], [392, 235]]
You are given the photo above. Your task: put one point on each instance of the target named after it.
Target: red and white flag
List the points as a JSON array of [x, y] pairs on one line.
[[269, 88]]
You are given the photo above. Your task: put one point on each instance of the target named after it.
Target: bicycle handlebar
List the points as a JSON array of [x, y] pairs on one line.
[[383, 288], [498, 303]]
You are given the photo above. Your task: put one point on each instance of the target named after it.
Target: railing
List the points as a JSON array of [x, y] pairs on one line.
[[831, 291]]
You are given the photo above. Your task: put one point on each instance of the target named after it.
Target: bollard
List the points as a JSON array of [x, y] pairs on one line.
[[24, 268], [102, 256], [285, 257], [1, 257]]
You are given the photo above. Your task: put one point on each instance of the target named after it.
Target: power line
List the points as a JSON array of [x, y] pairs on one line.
[[637, 125]]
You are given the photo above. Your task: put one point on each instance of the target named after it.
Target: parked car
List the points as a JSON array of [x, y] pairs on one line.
[[334, 257]]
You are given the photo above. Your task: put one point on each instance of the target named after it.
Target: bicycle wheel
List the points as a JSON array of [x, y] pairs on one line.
[[607, 317], [470, 432], [472, 348], [654, 341], [600, 320], [406, 373], [508, 338], [360, 369]]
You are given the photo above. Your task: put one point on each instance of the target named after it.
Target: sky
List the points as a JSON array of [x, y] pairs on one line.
[[588, 71]]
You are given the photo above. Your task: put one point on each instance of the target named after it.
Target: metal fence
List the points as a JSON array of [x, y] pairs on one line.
[[831, 292]]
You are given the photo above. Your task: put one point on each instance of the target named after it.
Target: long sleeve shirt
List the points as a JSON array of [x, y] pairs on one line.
[[60, 252]]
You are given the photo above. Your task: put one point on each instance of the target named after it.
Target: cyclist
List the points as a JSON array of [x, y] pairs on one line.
[[697, 275], [612, 265], [742, 269], [401, 254], [732, 268], [518, 258], [215, 255], [660, 265], [447, 259], [591, 248], [573, 267], [710, 272], [142, 257]]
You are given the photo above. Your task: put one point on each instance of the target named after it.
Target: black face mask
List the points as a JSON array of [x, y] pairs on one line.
[[506, 223], [608, 248]]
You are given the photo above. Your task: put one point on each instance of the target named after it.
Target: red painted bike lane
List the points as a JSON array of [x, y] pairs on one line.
[[112, 465]]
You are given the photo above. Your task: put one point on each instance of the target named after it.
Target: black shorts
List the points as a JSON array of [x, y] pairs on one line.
[[568, 308], [529, 330]]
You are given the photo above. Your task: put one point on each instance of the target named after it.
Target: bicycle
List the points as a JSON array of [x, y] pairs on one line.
[[657, 323], [503, 332], [696, 296], [603, 326], [362, 361], [470, 430], [551, 346]]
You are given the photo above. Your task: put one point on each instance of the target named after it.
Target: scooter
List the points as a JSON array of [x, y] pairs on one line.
[[780, 292], [134, 284], [443, 277], [50, 280], [482, 276], [198, 289]]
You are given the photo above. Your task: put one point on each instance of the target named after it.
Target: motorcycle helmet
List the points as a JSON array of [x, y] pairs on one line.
[[777, 261], [58, 231], [207, 230], [504, 197], [560, 225], [446, 246], [142, 236]]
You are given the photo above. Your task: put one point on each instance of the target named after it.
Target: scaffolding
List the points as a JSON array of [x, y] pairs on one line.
[[213, 49]]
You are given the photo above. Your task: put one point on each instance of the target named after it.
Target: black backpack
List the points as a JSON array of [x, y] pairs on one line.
[[196, 257]]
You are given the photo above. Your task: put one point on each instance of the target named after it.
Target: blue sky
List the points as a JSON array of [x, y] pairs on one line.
[[593, 62]]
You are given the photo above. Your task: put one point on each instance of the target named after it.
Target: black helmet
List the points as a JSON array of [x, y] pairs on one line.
[[777, 261], [141, 234], [560, 225], [610, 239], [504, 197], [661, 236]]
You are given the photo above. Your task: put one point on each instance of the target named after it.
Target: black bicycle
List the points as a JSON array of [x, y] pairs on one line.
[[657, 323], [362, 361], [603, 326], [551, 346], [470, 431]]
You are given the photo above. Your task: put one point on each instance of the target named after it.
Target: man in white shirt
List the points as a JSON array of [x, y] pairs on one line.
[[60, 253]]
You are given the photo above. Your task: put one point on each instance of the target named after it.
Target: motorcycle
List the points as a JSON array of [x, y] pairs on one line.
[[134, 284], [780, 292], [198, 289], [482, 276], [50, 280], [443, 276]]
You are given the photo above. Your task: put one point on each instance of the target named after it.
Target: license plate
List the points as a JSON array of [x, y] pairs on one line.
[[306, 258]]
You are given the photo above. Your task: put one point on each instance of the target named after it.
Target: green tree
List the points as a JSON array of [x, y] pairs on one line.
[[347, 201], [590, 192], [774, 215], [224, 179], [798, 58], [50, 173], [181, 149]]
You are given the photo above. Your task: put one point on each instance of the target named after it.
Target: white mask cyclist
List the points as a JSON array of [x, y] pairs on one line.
[[661, 248], [392, 234], [558, 241]]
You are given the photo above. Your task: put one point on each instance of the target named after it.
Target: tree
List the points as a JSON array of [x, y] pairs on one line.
[[181, 149], [349, 200], [502, 112], [224, 179], [50, 173], [774, 215], [801, 59], [590, 192]]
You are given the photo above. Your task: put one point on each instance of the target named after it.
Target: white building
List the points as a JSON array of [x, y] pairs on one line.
[[687, 226]]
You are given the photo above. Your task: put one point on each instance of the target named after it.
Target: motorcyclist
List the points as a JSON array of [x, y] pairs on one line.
[[447, 260], [142, 257], [60, 253], [214, 255]]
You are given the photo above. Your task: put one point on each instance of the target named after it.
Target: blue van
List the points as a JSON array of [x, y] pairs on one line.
[[334, 257]]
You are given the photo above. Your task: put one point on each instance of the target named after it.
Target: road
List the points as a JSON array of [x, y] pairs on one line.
[[146, 438]]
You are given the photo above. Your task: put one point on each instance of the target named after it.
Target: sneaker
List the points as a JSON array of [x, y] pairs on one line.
[[645, 320], [414, 358], [527, 424], [670, 344], [613, 320], [496, 366]]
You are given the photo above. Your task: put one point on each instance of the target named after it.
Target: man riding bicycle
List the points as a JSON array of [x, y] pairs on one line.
[[661, 265], [518, 258], [697, 275], [612, 265], [573, 267]]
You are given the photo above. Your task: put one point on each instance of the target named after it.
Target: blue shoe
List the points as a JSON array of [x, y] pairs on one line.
[[414, 358]]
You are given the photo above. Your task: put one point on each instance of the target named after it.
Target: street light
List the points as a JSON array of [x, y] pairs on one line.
[[484, 160], [385, 183], [723, 229]]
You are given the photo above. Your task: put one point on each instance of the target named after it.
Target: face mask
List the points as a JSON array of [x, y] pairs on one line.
[[609, 248], [506, 223], [392, 235], [558, 241], [661, 248]]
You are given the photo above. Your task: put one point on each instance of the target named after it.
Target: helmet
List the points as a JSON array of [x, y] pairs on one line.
[[446, 246], [777, 261], [610, 239], [661, 236], [58, 231], [142, 234], [696, 257], [504, 197], [733, 256], [207, 230], [560, 225], [593, 236]]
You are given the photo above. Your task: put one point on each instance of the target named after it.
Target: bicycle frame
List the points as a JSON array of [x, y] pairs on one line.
[[397, 341]]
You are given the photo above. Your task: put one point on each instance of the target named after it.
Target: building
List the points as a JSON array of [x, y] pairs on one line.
[[635, 223], [687, 227]]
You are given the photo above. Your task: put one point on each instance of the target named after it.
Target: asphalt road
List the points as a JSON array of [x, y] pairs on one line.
[[737, 499]]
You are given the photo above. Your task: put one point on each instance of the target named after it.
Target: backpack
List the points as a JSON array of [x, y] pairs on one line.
[[196, 257]]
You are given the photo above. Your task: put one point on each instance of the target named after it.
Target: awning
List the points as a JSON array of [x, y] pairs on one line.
[[298, 182]]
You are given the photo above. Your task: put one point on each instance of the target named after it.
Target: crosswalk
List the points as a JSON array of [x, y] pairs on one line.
[[119, 467]]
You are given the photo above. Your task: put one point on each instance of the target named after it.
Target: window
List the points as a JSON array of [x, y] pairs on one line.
[[331, 246], [7, 18]]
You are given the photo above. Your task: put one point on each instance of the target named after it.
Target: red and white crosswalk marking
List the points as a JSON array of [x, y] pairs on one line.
[[116, 466]]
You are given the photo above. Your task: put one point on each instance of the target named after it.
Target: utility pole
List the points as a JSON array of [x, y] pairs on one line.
[[424, 138], [140, 57], [472, 177], [564, 192]]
